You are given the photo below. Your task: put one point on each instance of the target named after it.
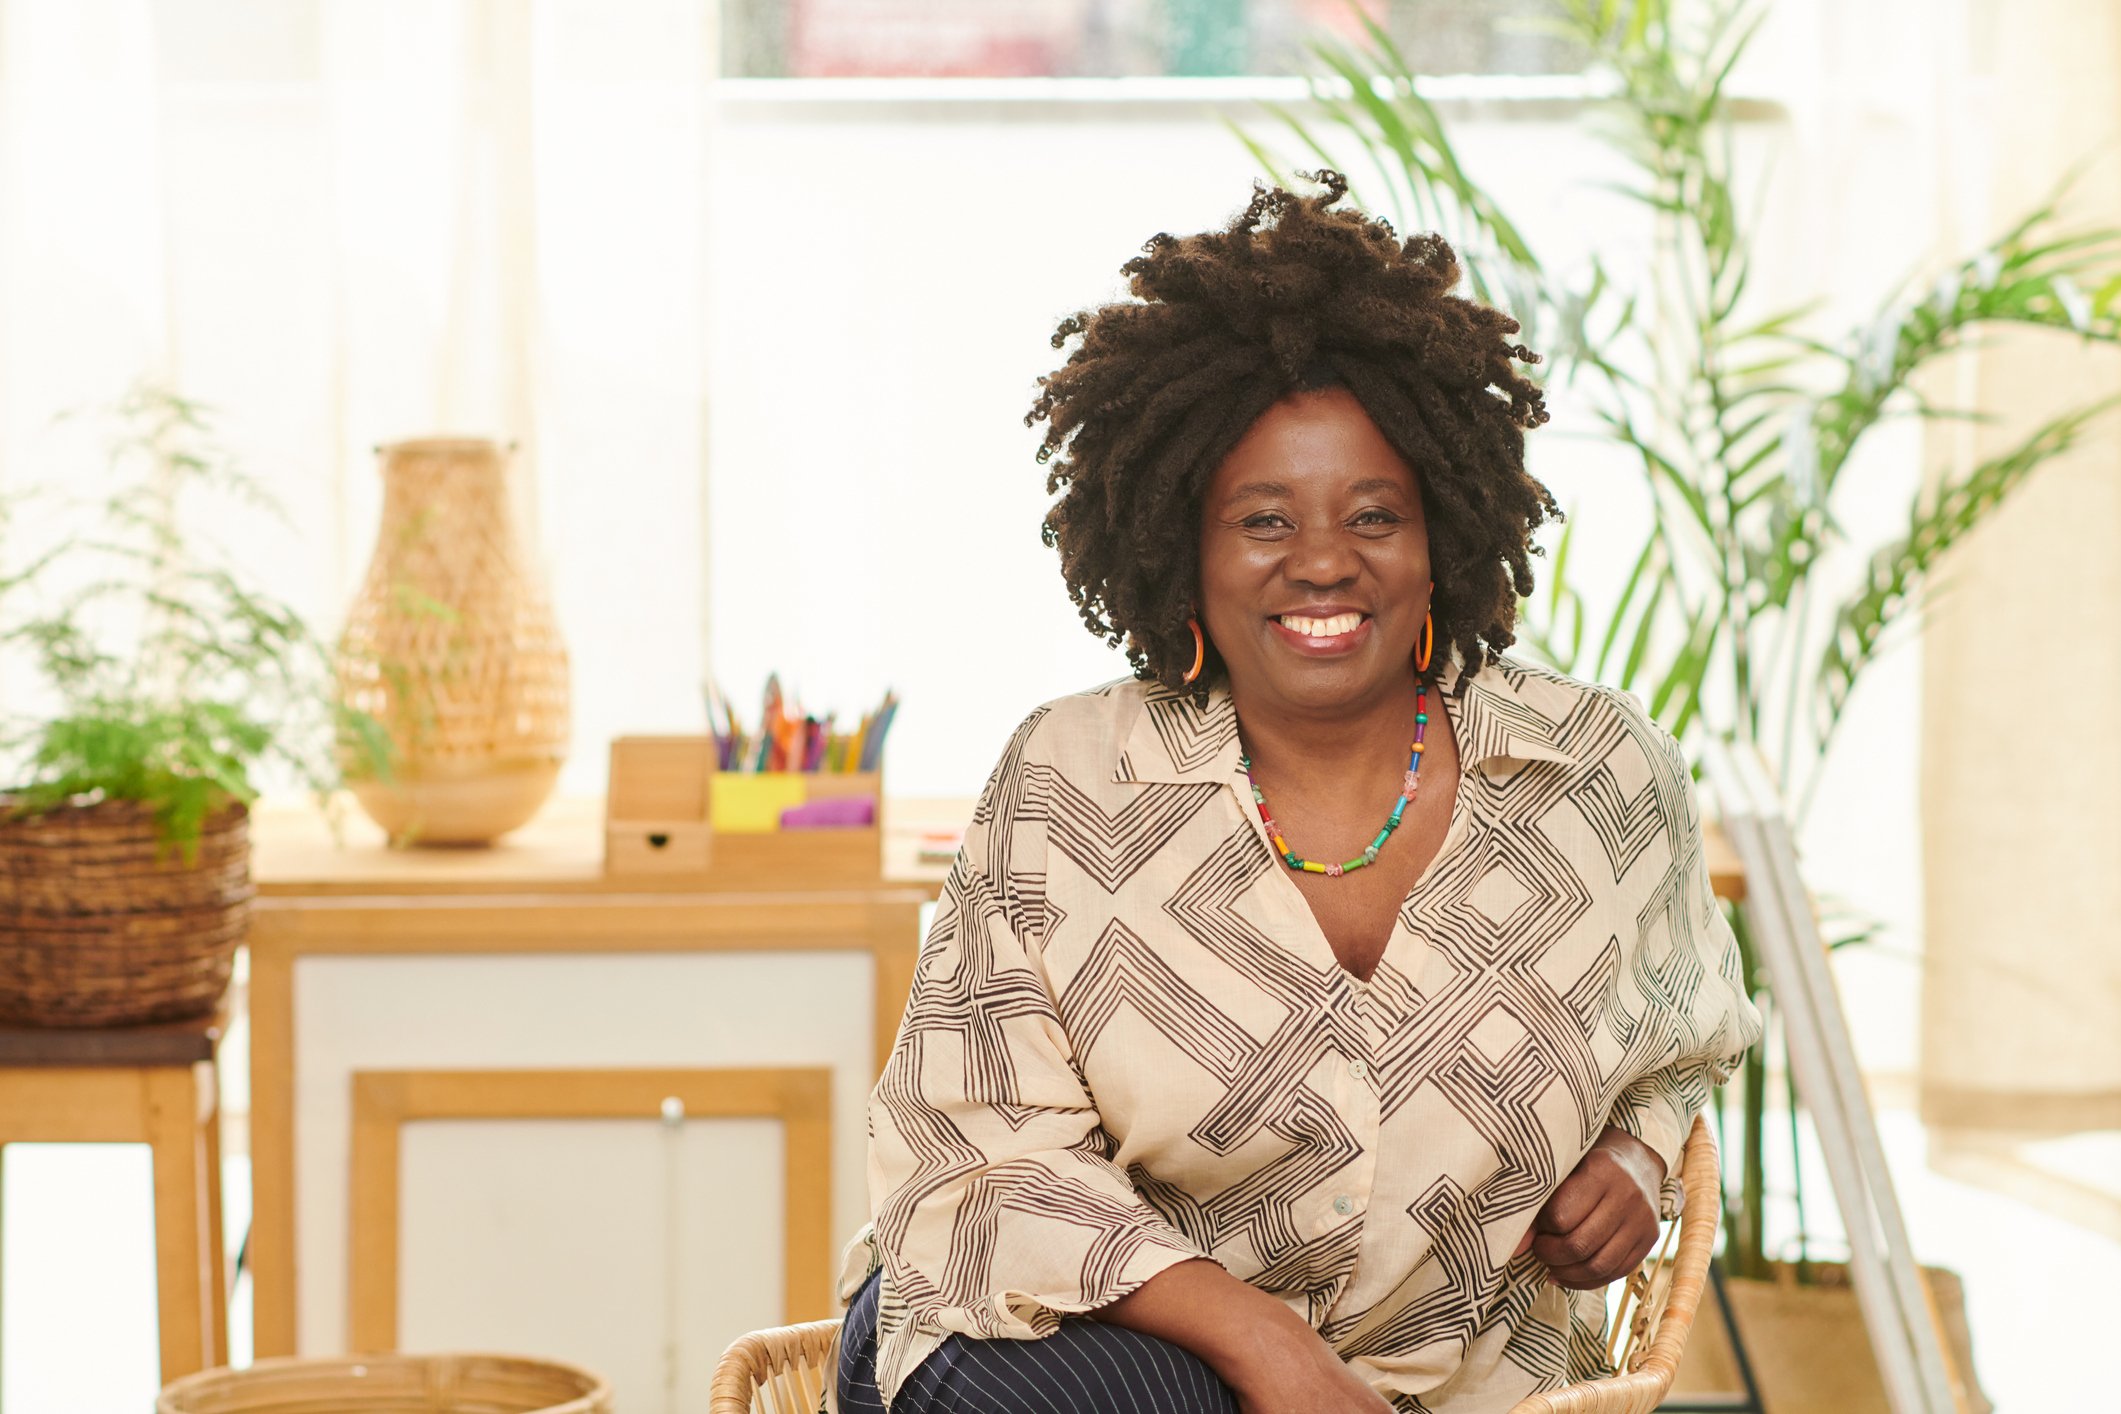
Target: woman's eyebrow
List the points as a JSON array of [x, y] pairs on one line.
[[1366, 487]]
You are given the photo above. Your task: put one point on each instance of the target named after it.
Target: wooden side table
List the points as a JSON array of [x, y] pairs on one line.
[[519, 987], [152, 1085]]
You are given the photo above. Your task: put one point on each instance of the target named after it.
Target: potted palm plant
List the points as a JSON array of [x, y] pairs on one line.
[[162, 685], [1742, 423]]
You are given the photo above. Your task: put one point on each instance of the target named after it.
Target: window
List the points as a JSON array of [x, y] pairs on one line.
[[1121, 38]]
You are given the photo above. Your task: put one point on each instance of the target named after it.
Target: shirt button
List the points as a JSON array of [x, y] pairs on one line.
[[1355, 1069], [1343, 1205]]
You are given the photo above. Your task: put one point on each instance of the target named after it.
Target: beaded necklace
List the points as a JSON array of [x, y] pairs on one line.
[[1399, 807]]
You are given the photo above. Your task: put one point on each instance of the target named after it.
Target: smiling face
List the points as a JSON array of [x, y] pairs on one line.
[[1314, 559]]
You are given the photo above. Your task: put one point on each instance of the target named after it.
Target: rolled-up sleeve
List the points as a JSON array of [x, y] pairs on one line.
[[998, 1208], [1695, 986]]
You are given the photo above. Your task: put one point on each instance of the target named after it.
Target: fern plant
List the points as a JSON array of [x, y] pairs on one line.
[[174, 680], [1743, 423]]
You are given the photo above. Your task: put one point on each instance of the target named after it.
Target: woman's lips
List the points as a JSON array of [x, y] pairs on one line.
[[1322, 645]]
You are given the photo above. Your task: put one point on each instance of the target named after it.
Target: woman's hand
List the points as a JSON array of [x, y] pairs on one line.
[[1602, 1220], [1294, 1371], [1257, 1345]]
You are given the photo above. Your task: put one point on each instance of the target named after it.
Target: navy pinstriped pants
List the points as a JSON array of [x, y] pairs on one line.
[[1085, 1367]]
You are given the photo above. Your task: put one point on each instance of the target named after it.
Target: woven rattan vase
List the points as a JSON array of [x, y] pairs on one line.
[[100, 928], [453, 646], [392, 1384]]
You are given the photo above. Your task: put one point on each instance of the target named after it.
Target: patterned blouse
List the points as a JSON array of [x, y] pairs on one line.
[[1128, 1042]]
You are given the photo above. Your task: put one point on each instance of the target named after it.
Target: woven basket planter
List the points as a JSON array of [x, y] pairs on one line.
[[392, 1384], [95, 930]]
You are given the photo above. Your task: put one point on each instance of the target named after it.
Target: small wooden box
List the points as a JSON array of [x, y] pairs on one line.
[[655, 810]]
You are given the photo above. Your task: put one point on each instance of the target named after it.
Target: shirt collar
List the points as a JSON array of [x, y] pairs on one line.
[[1174, 741]]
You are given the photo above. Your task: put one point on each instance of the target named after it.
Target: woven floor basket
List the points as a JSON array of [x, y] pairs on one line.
[[96, 931], [391, 1384]]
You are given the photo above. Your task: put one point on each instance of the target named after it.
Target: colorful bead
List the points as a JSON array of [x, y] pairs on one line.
[[1408, 784]]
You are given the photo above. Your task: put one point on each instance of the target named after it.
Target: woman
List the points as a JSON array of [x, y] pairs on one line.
[[1311, 1023]]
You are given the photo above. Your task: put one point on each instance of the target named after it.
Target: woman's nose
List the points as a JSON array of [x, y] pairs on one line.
[[1321, 555]]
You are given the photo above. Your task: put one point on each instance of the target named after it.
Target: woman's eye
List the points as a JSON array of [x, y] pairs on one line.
[[1265, 520], [1374, 516]]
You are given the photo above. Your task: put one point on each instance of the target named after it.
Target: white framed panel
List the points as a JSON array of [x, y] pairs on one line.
[[561, 1011]]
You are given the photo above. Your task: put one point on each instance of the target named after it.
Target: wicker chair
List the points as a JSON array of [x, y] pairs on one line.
[[779, 1371], [783, 1371]]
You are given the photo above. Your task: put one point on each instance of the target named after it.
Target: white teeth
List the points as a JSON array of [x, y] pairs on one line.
[[1321, 628]]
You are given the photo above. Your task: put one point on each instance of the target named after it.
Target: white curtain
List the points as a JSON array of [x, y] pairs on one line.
[[345, 222], [2021, 999]]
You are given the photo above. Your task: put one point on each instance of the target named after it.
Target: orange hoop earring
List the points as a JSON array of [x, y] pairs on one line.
[[1200, 652], [1428, 642]]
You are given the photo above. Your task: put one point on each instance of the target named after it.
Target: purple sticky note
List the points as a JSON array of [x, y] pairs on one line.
[[834, 812]]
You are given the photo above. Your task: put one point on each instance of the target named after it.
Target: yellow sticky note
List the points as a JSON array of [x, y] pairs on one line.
[[745, 804]]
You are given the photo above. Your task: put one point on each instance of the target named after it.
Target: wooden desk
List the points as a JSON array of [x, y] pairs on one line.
[[294, 855], [153, 1085], [376, 973]]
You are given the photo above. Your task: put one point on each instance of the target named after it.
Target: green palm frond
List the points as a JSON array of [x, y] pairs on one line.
[[1938, 519]]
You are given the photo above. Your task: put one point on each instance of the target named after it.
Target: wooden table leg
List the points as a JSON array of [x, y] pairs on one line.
[[3, 1255], [895, 944], [272, 1148], [216, 1243], [182, 1282]]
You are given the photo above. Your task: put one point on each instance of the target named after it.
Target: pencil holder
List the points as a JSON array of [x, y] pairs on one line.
[[805, 826], [670, 813]]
